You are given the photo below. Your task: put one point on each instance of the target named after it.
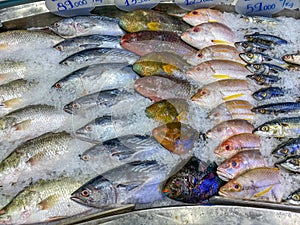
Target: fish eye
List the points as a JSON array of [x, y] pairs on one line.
[[196, 29], [204, 92], [250, 55], [84, 157], [57, 86], [160, 104], [256, 66], [262, 111], [236, 186], [56, 24], [88, 128], [227, 147], [85, 193], [296, 197], [75, 106], [263, 94], [200, 55], [234, 164], [284, 151], [195, 12], [265, 128], [244, 44]]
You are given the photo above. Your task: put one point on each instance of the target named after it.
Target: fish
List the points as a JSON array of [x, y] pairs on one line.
[[279, 127], [262, 183], [96, 77], [291, 164], [238, 143], [207, 34], [80, 43], [262, 79], [269, 21], [215, 70], [215, 93], [258, 58], [250, 46], [157, 88], [12, 70], [240, 163], [43, 201], [203, 15], [143, 19], [235, 109], [289, 148], [177, 137], [229, 128], [215, 52], [265, 38], [100, 55], [268, 93], [195, 182], [86, 25], [145, 42], [277, 108], [292, 58], [138, 183], [168, 110], [294, 198], [265, 69]]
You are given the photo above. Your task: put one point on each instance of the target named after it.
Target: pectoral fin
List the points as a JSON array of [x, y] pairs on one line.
[[221, 76], [231, 97], [12, 103], [169, 68], [221, 42], [23, 125], [130, 185], [154, 26], [264, 191], [212, 21], [48, 202], [3, 46]]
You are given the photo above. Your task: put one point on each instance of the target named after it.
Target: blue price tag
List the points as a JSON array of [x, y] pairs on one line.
[[258, 7]]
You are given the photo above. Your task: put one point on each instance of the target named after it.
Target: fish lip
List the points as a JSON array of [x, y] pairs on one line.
[[224, 175], [68, 109], [76, 199]]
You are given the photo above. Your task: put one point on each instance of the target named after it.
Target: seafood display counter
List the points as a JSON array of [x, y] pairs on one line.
[[169, 115]]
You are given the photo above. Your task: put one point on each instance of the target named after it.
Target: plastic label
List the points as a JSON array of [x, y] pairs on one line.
[[258, 7], [196, 4], [129, 5]]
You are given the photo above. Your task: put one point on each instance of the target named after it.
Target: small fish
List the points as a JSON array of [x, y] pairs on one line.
[[257, 184], [262, 79], [288, 148], [240, 163], [280, 127], [262, 20], [235, 109], [215, 70], [100, 55], [267, 93], [265, 38], [277, 108], [137, 183], [143, 19], [229, 128], [86, 25], [11, 70], [80, 43], [292, 58], [250, 46], [177, 137], [237, 143], [145, 42], [157, 88], [195, 182], [203, 15], [291, 164], [294, 198], [207, 34], [258, 58], [265, 69]]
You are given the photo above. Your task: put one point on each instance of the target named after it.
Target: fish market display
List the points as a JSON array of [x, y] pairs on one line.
[[277, 108], [292, 58], [288, 148], [294, 198], [11, 70], [203, 15], [291, 164], [265, 80], [267, 93]]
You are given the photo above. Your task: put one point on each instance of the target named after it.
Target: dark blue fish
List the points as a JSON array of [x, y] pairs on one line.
[[267, 93], [249, 46], [262, 79], [265, 69], [288, 148], [265, 39], [294, 198], [276, 108]]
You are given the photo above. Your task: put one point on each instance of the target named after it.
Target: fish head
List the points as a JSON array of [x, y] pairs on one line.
[[197, 58], [249, 57], [262, 94], [294, 198], [176, 188], [87, 132], [232, 188], [147, 86], [92, 154], [255, 68], [288, 57], [129, 38], [134, 21], [268, 130], [199, 72], [196, 17], [191, 35], [162, 111], [67, 85], [292, 163], [243, 46], [226, 149], [72, 108], [230, 167], [203, 96], [148, 68], [65, 27]]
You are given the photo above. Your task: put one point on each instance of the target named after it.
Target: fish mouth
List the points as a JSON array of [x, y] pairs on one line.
[[224, 175], [222, 193], [76, 199], [67, 109], [244, 57], [250, 68]]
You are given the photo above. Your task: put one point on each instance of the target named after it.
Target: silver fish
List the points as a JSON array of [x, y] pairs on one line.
[[292, 164], [288, 148], [265, 69], [250, 46], [258, 58]]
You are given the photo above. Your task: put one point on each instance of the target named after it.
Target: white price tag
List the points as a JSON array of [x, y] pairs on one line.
[[129, 5], [290, 4], [258, 7], [196, 4]]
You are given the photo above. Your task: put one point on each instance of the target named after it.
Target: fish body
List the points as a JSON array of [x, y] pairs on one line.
[[235, 109], [269, 21], [203, 15], [145, 42], [277, 108], [265, 69], [229, 128], [157, 88], [265, 38], [215, 70], [262, 79], [138, 183], [86, 25], [250, 46], [11, 70], [237, 143], [177, 137], [292, 58], [258, 58], [291, 164], [294, 198], [262, 183], [207, 34], [280, 127], [288, 148], [268, 93], [240, 163]]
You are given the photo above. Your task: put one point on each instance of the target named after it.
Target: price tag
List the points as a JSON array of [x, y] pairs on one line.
[[258, 7], [129, 5], [196, 4], [290, 4]]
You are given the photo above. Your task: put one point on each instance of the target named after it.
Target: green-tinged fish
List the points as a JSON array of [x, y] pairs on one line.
[[250, 46], [265, 39], [203, 15], [143, 19], [277, 108], [292, 58], [237, 143], [294, 198], [280, 127], [288, 148], [262, 79], [240, 163], [86, 25], [11, 70], [168, 110], [267, 93], [265, 69], [291, 164], [257, 184], [177, 137], [44, 201], [258, 58], [235, 109]]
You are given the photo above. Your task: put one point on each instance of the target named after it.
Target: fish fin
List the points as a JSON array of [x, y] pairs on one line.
[[3, 46], [153, 26], [221, 42], [54, 218], [48, 202], [12, 102], [231, 97], [169, 68], [264, 191], [222, 76], [36, 158], [129, 186], [212, 21], [181, 117], [23, 125]]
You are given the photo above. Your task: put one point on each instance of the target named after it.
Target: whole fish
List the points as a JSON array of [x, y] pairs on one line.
[[229, 128], [294, 198], [138, 182], [235, 109], [265, 39], [292, 58], [157, 88], [80, 43], [215, 70], [265, 69], [168, 110], [96, 77], [86, 25], [280, 127], [262, 79], [291, 147], [240, 163], [100, 55], [258, 58], [143, 19], [195, 182], [207, 34], [203, 15], [11, 70], [213, 94], [145, 42], [178, 138], [250, 46], [44, 201], [267, 93], [291, 164], [257, 184], [215, 52], [277, 108], [269, 21], [237, 143]]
